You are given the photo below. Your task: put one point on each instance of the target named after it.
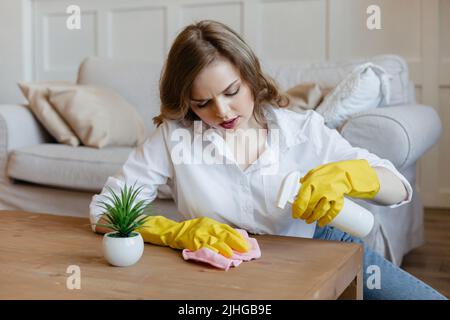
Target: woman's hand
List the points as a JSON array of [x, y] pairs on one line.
[[193, 234], [321, 196]]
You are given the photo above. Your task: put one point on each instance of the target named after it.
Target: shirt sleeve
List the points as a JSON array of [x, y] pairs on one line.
[[333, 147], [148, 166]]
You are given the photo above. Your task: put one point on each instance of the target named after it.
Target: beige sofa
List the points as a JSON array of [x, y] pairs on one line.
[[40, 175]]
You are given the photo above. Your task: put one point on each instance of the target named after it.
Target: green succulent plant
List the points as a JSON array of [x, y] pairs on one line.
[[121, 212]]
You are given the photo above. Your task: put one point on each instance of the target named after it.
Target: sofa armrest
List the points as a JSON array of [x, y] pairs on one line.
[[19, 128], [400, 134]]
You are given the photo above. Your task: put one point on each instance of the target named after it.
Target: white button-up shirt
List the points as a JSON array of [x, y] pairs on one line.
[[223, 191]]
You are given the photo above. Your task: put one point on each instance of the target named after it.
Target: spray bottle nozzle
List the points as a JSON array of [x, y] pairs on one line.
[[289, 189]]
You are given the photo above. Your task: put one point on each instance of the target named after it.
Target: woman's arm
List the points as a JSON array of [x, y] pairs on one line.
[[395, 189], [148, 166], [392, 190]]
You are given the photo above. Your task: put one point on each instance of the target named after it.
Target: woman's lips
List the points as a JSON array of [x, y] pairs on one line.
[[229, 124]]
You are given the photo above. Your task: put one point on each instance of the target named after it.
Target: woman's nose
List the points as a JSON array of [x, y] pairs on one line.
[[222, 108]]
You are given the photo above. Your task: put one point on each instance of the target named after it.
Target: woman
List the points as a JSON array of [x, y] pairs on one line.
[[224, 142]]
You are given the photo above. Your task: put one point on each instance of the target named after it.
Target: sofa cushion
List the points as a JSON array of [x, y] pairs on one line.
[[136, 81], [99, 116], [59, 165], [329, 74], [366, 87], [37, 95]]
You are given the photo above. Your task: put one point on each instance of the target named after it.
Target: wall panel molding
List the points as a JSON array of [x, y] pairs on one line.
[[279, 30]]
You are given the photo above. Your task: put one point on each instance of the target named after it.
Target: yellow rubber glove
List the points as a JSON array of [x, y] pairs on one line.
[[193, 234], [321, 196]]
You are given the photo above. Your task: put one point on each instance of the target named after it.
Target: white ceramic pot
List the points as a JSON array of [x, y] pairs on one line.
[[123, 252]]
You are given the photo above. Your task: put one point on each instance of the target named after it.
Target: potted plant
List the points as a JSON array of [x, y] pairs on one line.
[[123, 246]]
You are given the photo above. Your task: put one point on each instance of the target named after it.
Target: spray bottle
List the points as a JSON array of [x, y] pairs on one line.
[[353, 218]]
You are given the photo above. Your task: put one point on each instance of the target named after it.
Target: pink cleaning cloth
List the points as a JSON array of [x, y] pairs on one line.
[[219, 261]]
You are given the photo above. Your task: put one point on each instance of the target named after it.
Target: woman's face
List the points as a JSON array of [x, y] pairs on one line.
[[221, 98]]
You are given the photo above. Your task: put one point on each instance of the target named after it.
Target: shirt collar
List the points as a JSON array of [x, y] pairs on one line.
[[284, 132], [290, 131]]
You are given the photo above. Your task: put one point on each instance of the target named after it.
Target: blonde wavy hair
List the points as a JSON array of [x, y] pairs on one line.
[[195, 47]]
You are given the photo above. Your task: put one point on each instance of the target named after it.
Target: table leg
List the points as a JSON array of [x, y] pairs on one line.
[[354, 291]]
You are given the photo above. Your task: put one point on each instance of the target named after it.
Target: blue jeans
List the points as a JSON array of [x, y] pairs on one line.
[[393, 283]]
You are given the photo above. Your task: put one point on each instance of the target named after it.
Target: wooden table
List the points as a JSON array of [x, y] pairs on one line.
[[36, 251]]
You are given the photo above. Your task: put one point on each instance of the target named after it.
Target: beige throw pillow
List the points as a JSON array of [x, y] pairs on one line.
[[307, 95], [37, 96], [99, 116]]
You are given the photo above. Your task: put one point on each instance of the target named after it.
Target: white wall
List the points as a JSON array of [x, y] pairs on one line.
[[11, 49], [307, 30]]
